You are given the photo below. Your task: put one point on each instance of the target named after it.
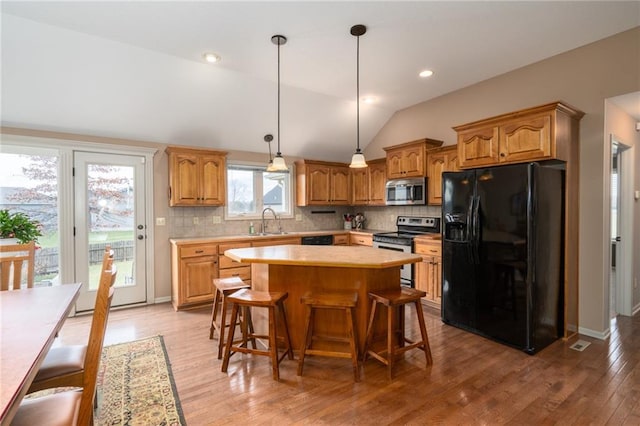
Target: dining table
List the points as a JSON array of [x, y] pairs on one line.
[[30, 319]]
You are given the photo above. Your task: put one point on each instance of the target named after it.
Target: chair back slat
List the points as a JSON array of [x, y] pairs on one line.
[[12, 261], [96, 337]]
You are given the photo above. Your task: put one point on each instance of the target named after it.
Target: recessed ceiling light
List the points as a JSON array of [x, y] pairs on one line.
[[369, 99], [426, 73], [212, 58]]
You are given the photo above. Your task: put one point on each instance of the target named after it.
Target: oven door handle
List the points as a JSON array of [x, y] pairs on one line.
[[387, 247]]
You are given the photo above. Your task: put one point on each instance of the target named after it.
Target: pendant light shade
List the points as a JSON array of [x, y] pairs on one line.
[[278, 161], [357, 160]]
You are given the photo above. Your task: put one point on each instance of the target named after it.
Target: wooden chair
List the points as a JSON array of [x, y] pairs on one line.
[[12, 260], [61, 370]]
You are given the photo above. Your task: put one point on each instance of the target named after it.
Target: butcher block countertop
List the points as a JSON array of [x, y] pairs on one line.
[[331, 256]]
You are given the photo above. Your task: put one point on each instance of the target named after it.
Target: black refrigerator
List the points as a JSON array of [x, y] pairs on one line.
[[502, 260]]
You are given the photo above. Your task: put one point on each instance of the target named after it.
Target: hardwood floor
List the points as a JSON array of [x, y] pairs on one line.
[[472, 381]]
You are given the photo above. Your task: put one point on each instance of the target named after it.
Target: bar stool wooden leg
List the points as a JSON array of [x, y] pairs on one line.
[[223, 324], [369, 337], [287, 336], [273, 344], [308, 327], [227, 351], [214, 314], [351, 330], [423, 330], [391, 335]]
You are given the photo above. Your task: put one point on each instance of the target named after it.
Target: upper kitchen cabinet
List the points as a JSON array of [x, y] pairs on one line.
[[540, 133], [196, 177], [439, 160], [409, 159], [368, 184], [322, 183]]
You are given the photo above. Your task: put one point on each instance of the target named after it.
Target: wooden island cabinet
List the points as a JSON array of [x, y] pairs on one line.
[[325, 269]]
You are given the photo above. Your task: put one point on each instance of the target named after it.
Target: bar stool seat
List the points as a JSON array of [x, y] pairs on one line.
[[344, 302], [274, 301], [395, 300], [224, 287]]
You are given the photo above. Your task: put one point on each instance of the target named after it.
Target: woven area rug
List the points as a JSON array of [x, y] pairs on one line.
[[135, 386]]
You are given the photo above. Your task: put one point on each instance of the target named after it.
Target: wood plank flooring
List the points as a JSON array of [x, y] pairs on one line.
[[473, 381]]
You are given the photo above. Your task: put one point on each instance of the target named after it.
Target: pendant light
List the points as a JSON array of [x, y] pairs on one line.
[[268, 138], [278, 161], [358, 161]]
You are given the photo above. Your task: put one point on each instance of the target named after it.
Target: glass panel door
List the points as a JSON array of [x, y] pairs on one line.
[[109, 210]]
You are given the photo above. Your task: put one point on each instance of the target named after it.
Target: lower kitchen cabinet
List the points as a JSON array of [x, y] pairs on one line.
[[194, 266], [428, 273], [228, 268], [360, 239]]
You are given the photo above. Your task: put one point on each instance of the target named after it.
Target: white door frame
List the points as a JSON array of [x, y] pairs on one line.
[[624, 261], [65, 148]]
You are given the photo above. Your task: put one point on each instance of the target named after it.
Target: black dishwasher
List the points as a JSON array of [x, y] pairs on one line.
[[317, 240]]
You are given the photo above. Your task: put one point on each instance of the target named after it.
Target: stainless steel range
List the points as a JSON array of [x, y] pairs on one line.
[[408, 227]]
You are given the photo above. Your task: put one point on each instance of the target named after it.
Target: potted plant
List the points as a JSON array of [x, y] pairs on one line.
[[19, 226]]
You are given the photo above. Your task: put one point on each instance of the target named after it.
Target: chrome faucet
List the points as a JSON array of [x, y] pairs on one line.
[[275, 217]]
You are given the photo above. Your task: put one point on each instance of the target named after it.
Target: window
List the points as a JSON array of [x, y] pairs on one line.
[[250, 189], [30, 185]]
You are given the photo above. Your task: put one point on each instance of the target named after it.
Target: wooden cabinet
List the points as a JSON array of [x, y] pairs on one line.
[[196, 177], [368, 184], [360, 239], [280, 241], [533, 134], [409, 159], [228, 268], [322, 183], [341, 240], [428, 273], [439, 160], [193, 268]]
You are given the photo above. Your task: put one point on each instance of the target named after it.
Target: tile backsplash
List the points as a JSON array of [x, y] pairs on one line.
[[187, 222]]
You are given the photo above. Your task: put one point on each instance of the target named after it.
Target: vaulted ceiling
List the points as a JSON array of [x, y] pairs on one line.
[[135, 70]]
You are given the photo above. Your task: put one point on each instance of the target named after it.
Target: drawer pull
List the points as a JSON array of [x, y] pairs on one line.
[[199, 251]]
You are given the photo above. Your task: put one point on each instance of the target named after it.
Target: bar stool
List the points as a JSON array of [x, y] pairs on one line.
[[345, 302], [395, 300], [224, 287], [273, 301]]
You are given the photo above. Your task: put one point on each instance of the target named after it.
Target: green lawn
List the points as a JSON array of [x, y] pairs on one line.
[[51, 239]]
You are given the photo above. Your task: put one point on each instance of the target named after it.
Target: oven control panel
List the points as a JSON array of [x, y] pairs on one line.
[[428, 224]]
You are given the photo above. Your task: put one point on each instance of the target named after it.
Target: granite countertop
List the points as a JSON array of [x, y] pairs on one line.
[[325, 256], [253, 237]]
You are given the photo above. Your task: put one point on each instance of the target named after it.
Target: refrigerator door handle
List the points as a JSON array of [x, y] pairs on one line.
[[475, 243], [469, 225]]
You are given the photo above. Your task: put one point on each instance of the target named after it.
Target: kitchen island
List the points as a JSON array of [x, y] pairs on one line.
[[325, 269]]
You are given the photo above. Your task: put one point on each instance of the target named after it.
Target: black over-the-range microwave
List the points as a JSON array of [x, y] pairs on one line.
[[406, 192]]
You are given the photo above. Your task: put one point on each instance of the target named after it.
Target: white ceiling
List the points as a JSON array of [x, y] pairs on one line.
[[134, 70]]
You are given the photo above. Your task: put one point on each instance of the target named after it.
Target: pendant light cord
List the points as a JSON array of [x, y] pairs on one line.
[[278, 98], [358, 94]]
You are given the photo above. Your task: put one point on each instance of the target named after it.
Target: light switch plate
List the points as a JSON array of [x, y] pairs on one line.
[[196, 220], [636, 194], [160, 221], [216, 219], [299, 217]]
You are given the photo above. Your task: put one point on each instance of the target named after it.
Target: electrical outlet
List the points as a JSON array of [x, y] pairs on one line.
[[299, 217], [160, 221], [196, 220], [216, 219]]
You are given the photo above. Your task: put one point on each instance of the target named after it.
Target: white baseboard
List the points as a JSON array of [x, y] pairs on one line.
[[162, 299], [602, 335]]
